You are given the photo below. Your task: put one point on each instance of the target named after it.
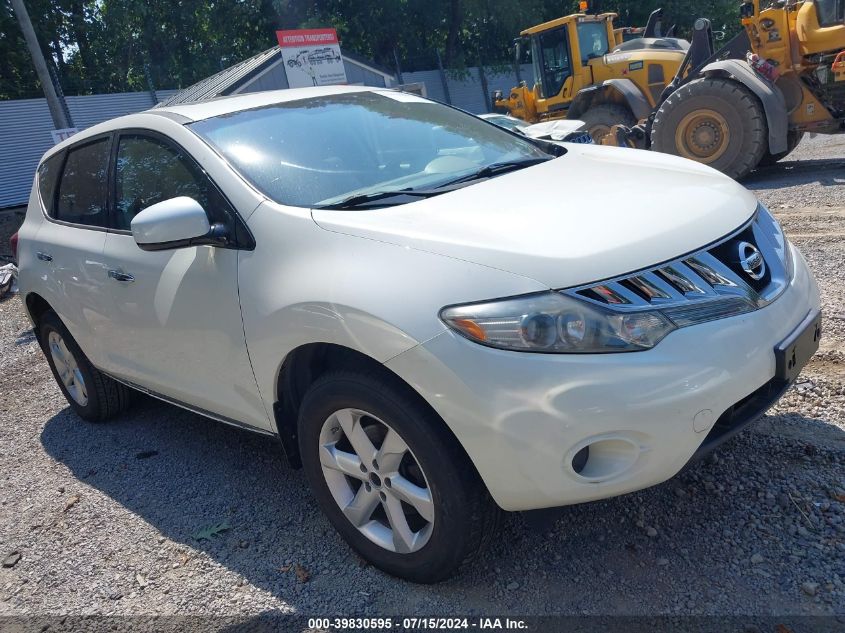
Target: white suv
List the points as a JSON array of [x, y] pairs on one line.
[[437, 318]]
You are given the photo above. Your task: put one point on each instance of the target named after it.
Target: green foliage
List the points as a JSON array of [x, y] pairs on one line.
[[117, 45]]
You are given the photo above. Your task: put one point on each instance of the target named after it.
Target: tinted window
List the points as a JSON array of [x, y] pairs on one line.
[[830, 12], [308, 152], [82, 188], [48, 176], [149, 171]]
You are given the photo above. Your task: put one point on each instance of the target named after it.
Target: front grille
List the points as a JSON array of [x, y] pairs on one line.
[[740, 273]]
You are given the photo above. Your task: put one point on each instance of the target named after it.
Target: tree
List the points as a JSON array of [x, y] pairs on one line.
[[112, 45]]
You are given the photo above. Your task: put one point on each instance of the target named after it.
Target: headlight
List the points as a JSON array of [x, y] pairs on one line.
[[773, 231], [552, 322]]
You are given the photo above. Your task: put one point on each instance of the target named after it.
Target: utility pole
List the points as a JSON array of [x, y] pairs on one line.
[[56, 109]]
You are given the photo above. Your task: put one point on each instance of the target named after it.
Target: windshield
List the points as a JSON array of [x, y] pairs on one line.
[[592, 40], [317, 151]]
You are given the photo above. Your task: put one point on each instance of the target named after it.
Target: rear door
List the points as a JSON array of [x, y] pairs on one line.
[[69, 251], [176, 325]]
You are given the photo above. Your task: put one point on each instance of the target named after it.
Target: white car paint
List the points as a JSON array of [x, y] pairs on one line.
[[611, 210], [211, 327], [185, 217], [555, 130]]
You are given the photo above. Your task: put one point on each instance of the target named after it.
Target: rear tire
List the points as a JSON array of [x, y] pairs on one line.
[[600, 119], [792, 140], [91, 394], [715, 121], [452, 515]]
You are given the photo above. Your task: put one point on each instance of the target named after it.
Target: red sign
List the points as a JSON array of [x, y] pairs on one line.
[[307, 37]]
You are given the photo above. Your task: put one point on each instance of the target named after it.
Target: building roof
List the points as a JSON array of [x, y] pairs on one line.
[[368, 64], [227, 80], [198, 111]]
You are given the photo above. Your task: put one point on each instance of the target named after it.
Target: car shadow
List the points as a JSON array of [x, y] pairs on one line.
[[825, 172], [182, 473]]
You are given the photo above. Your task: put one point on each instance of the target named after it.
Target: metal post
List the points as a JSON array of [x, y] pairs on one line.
[[443, 80], [398, 67], [150, 85], [53, 102], [54, 75], [484, 87]]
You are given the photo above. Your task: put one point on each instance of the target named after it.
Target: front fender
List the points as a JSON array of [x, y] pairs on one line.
[[306, 284], [612, 90]]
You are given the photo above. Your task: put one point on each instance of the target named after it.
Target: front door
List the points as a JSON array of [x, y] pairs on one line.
[[552, 66], [177, 328]]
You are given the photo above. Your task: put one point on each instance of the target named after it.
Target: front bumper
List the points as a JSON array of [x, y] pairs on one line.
[[523, 418]]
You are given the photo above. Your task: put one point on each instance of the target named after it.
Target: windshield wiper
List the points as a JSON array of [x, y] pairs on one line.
[[368, 198], [497, 168], [363, 199]]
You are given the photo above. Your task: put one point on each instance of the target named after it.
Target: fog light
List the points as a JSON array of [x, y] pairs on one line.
[[580, 459]]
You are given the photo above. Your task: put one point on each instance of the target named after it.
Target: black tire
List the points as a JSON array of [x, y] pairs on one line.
[[601, 118], [792, 140], [105, 397], [464, 514], [715, 121]]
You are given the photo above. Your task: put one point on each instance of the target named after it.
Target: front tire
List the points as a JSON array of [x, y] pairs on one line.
[[792, 140], [91, 394], [599, 120], [393, 482], [715, 121]]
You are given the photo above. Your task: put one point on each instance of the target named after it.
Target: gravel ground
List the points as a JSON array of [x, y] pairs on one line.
[[106, 517]]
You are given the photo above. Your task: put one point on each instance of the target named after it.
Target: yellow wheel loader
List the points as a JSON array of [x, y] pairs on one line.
[[750, 102], [585, 69]]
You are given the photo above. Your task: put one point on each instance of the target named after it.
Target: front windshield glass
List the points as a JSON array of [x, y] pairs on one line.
[[592, 40], [319, 151]]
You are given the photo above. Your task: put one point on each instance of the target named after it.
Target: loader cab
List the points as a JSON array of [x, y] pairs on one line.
[[561, 53]]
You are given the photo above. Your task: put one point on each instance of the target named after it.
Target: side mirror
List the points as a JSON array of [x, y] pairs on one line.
[[175, 223]]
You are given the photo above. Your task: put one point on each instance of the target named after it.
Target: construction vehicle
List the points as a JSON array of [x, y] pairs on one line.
[[746, 104], [585, 69], [750, 102]]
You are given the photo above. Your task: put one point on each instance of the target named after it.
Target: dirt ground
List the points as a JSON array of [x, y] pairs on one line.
[[108, 519]]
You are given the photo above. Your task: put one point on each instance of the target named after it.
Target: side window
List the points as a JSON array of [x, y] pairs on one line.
[[48, 176], [82, 187], [149, 171]]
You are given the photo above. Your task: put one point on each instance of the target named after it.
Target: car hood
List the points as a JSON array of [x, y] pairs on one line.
[[555, 130], [596, 212]]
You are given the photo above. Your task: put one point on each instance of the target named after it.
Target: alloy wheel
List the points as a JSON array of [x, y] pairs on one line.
[[376, 481], [67, 368]]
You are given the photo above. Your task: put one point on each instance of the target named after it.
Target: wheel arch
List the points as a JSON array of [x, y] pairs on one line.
[[770, 98], [616, 91], [36, 307], [305, 364]]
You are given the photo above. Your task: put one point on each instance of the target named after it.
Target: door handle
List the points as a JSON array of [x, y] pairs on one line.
[[44, 257], [118, 275]]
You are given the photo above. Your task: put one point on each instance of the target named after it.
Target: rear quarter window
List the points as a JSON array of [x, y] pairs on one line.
[[82, 189], [48, 176]]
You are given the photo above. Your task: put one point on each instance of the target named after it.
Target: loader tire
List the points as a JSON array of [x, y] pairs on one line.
[[792, 140], [600, 119], [715, 121]]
